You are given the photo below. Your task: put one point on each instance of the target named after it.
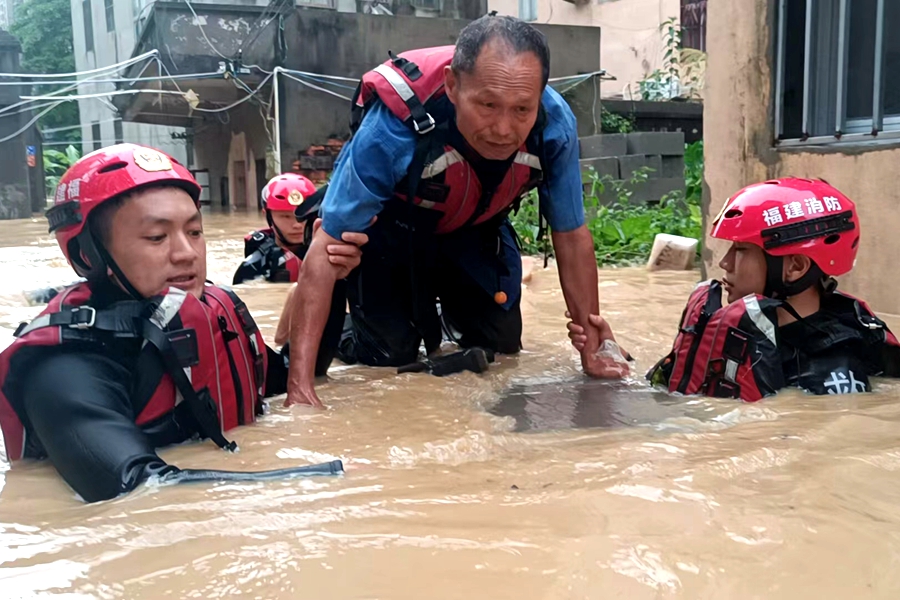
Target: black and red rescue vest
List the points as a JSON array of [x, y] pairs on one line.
[[733, 351], [263, 257], [411, 86], [212, 354]]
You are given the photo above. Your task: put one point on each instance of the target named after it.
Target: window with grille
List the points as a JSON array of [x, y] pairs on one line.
[[693, 24], [837, 67]]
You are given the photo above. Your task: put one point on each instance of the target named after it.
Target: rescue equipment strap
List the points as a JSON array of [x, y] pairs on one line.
[[201, 404]]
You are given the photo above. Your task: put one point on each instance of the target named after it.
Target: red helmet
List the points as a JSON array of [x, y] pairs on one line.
[[100, 176], [287, 192], [794, 216]]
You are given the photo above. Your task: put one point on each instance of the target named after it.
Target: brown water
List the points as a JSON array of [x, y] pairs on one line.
[[794, 497]]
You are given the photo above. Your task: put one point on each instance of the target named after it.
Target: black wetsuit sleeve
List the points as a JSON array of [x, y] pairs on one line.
[[78, 406]]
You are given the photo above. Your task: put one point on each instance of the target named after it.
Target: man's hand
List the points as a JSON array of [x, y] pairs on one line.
[[598, 362], [345, 256], [303, 395]]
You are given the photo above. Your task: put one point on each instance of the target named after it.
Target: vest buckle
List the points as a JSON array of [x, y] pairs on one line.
[[424, 128], [83, 317]]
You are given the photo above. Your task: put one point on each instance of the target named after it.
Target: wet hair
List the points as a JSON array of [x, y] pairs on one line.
[[518, 35]]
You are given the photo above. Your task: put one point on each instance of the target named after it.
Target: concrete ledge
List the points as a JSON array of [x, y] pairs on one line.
[[603, 166], [656, 142], [609, 144]]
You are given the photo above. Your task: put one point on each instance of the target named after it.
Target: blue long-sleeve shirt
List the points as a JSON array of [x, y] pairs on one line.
[[378, 157]]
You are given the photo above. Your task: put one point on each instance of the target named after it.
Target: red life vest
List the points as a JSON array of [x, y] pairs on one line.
[[213, 355], [411, 86], [733, 351], [729, 352]]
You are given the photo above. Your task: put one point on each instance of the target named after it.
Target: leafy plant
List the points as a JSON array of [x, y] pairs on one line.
[[56, 163], [613, 123], [44, 29], [665, 83], [624, 229], [693, 172], [683, 71]]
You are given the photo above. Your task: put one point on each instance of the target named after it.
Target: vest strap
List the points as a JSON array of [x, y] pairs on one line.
[[201, 404], [120, 318], [422, 122]]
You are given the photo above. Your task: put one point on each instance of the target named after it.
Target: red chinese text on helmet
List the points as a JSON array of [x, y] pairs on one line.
[[794, 216]]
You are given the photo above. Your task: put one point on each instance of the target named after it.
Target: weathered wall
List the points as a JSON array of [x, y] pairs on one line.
[[215, 145], [739, 149], [632, 46], [350, 44], [16, 189]]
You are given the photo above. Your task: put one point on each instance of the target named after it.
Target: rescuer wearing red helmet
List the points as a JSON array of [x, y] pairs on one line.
[[785, 325], [291, 204], [789, 237], [144, 353]]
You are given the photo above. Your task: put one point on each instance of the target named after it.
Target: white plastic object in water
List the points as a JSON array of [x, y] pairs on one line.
[[611, 351]]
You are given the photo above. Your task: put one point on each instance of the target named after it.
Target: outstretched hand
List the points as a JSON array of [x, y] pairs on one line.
[[607, 360]]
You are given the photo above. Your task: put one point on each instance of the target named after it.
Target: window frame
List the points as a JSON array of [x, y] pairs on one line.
[[96, 135], [109, 6], [528, 10], [87, 13], [878, 128]]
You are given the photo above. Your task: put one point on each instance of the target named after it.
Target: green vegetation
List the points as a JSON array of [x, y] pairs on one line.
[[44, 28], [624, 229], [613, 123], [56, 163]]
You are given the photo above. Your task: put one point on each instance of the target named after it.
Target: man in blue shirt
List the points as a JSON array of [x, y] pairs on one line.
[[502, 131]]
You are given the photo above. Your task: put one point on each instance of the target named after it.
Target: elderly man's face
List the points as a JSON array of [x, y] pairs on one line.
[[497, 104]]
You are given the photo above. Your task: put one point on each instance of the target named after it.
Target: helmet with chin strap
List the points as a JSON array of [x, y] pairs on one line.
[[295, 193], [99, 177], [793, 216]]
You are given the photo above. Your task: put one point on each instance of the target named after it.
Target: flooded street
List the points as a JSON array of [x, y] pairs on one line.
[[609, 490]]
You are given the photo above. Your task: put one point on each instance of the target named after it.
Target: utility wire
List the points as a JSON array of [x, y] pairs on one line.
[[315, 87], [114, 67]]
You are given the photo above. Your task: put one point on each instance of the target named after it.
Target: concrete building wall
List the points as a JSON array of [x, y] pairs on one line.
[[21, 181], [739, 148], [221, 147], [111, 47], [631, 46]]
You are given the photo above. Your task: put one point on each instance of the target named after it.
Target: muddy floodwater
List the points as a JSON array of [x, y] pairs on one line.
[[528, 482]]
